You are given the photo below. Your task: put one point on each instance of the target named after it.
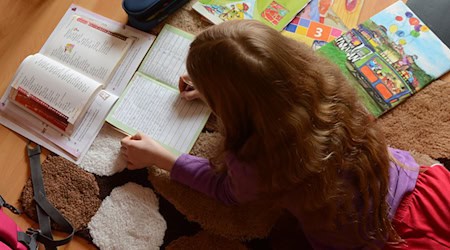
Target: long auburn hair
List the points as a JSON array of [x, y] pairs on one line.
[[292, 115]]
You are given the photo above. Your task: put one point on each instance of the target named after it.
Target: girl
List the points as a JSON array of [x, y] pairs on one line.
[[294, 132]]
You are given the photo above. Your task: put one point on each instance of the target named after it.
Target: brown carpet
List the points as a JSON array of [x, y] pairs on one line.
[[245, 222], [422, 122], [73, 191]]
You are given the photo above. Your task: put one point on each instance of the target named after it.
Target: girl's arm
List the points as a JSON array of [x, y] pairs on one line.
[[235, 186]]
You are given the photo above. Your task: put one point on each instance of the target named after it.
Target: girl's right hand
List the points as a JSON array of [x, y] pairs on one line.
[[187, 89], [141, 151]]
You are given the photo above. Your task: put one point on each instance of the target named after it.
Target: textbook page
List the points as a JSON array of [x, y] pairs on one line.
[[87, 47], [74, 147], [132, 59], [157, 110], [166, 60]]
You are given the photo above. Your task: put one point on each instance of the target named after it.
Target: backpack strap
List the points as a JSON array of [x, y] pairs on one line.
[[58, 218], [34, 154], [45, 210]]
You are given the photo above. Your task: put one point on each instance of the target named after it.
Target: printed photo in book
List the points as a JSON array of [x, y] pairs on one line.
[[389, 57], [60, 96], [276, 14], [151, 103], [318, 23]]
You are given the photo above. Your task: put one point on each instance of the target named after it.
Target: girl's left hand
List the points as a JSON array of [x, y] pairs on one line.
[[141, 150]]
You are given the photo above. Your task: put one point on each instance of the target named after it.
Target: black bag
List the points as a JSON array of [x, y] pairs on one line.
[[146, 14]]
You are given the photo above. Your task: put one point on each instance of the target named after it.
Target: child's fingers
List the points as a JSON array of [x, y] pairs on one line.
[[182, 85], [125, 141], [185, 83], [137, 136], [190, 95]]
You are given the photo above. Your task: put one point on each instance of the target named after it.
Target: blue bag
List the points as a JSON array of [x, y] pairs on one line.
[[146, 14]]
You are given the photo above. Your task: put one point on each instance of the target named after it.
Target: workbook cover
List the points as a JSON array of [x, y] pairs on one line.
[[389, 57], [322, 21], [276, 14]]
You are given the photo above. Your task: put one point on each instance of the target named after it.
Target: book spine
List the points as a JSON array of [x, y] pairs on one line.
[[41, 109]]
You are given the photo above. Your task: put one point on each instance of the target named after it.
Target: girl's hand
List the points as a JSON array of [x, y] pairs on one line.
[[187, 89], [141, 151]]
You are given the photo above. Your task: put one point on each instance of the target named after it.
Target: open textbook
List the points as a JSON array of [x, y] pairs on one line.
[[389, 57], [60, 96], [58, 84], [151, 103]]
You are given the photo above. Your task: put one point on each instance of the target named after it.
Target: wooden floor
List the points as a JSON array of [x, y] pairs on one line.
[[24, 27]]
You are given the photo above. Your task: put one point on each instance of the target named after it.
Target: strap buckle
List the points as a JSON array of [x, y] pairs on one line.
[[29, 238], [32, 231]]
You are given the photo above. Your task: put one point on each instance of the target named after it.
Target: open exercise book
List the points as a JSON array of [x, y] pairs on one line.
[[276, 14], [389, 57], [60, 96], [151, 103]]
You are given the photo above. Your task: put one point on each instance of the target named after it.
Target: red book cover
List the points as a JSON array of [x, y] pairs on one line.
[[41, 109]]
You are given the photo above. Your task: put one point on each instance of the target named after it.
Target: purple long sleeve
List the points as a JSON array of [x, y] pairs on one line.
[[402, 180], [237, 185]]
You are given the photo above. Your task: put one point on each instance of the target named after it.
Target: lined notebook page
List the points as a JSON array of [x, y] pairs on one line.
[[158, 111], [167, 57]]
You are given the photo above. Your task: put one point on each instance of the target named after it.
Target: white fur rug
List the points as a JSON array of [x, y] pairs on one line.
[[103, 157], [128, 219]]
